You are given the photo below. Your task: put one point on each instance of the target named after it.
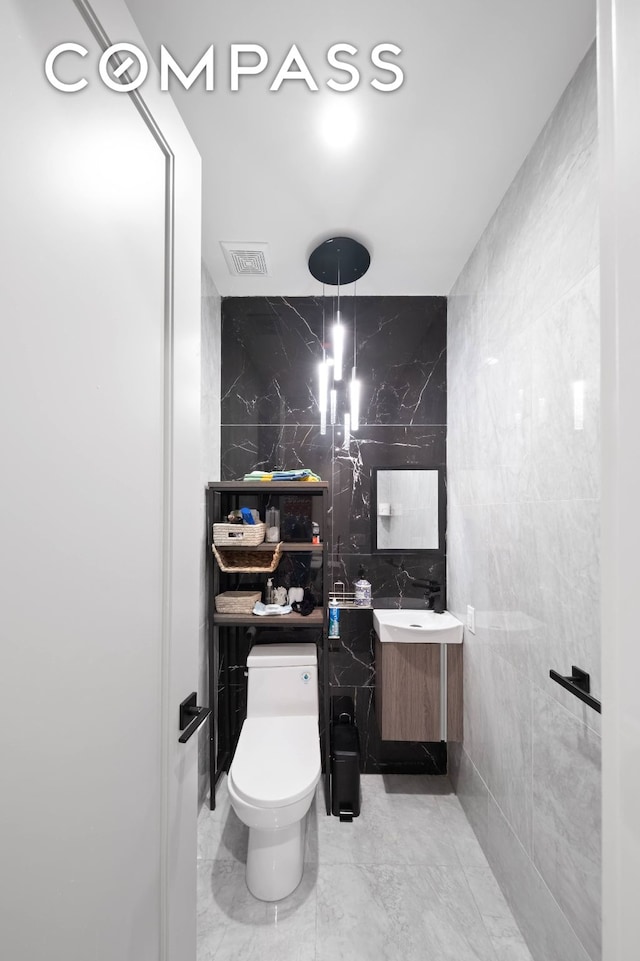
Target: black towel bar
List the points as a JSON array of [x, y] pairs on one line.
[[579, 684]]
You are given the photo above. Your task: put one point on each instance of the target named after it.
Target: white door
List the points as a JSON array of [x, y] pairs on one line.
[[97, 442]]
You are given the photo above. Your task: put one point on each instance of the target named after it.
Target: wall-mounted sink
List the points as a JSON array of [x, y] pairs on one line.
[[417, 627]]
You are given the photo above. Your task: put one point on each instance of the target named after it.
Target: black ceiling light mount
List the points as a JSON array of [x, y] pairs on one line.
[[339, 261]]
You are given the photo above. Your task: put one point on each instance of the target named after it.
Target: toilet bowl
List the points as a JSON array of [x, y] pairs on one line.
[[276, 766]]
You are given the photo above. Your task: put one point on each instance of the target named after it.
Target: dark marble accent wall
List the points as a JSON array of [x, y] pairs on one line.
[[270, 351]]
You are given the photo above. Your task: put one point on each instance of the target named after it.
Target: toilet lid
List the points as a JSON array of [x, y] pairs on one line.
[[277, 760]]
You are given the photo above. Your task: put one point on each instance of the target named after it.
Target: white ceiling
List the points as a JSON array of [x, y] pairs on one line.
[[420, 170]]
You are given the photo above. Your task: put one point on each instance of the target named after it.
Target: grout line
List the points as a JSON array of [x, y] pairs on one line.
[[518, 502], [482, 916], [533, 741], [529, 859], [550, 695], [251, 424]]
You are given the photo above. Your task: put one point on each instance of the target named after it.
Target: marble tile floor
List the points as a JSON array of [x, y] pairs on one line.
[[406, 881]]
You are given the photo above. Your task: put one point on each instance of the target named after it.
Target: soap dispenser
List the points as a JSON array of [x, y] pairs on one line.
[[363, 589]]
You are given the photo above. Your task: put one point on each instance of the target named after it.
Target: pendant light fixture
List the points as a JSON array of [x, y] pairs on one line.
[[323, 386], [354, 385], [334, 405], [323, 377], [338, 346], [335, 261], [347, 431], [338, 335]]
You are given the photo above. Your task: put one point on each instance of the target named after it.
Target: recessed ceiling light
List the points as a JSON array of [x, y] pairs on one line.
[[339, 123]]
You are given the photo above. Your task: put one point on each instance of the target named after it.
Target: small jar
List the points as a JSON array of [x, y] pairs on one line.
[[272, 520], [363, 590]]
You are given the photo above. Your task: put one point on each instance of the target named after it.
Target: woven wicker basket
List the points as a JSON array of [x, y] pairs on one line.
[[244, 535], [237, 602], [234, 561]]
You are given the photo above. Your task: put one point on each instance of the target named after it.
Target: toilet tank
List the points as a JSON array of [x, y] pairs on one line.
[[282, 680]]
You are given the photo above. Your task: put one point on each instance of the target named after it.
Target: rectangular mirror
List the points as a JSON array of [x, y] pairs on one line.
[[407, 509]]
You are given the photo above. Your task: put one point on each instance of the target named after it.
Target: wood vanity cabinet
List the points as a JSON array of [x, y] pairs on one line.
[[411, 702]]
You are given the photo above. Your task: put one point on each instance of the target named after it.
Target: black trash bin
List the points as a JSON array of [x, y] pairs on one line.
[[345, 769]]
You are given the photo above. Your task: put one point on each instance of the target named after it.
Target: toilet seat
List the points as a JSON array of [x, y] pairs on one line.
[[277, 760]]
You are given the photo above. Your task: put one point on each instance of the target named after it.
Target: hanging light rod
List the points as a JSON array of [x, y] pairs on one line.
[[339, 261]]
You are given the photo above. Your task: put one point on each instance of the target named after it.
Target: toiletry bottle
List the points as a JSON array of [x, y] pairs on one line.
[[334, 618], [268, 594], [363, 590], [272, 518]]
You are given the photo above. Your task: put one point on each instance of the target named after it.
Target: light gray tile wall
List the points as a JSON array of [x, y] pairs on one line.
[[210, 470], [523, 531]]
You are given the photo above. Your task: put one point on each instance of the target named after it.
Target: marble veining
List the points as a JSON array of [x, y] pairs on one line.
[[572, 770], [377, 756], [523, 532], [351, 470], [270, 419], [525, 890], [407, 879], [273, 344]]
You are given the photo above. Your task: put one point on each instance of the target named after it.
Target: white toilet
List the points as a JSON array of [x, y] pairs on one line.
[[276, 766]]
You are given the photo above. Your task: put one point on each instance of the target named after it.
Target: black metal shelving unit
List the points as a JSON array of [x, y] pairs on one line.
[[227, 631]]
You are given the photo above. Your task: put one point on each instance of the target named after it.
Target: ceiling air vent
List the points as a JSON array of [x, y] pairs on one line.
[[246, 260]]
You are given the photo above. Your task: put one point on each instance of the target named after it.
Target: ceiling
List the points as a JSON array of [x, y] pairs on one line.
[[415, 174]]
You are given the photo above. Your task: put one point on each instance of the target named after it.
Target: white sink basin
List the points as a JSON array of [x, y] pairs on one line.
[[417, 627]]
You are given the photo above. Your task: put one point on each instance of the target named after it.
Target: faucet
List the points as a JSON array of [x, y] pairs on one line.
[[433, 595]]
